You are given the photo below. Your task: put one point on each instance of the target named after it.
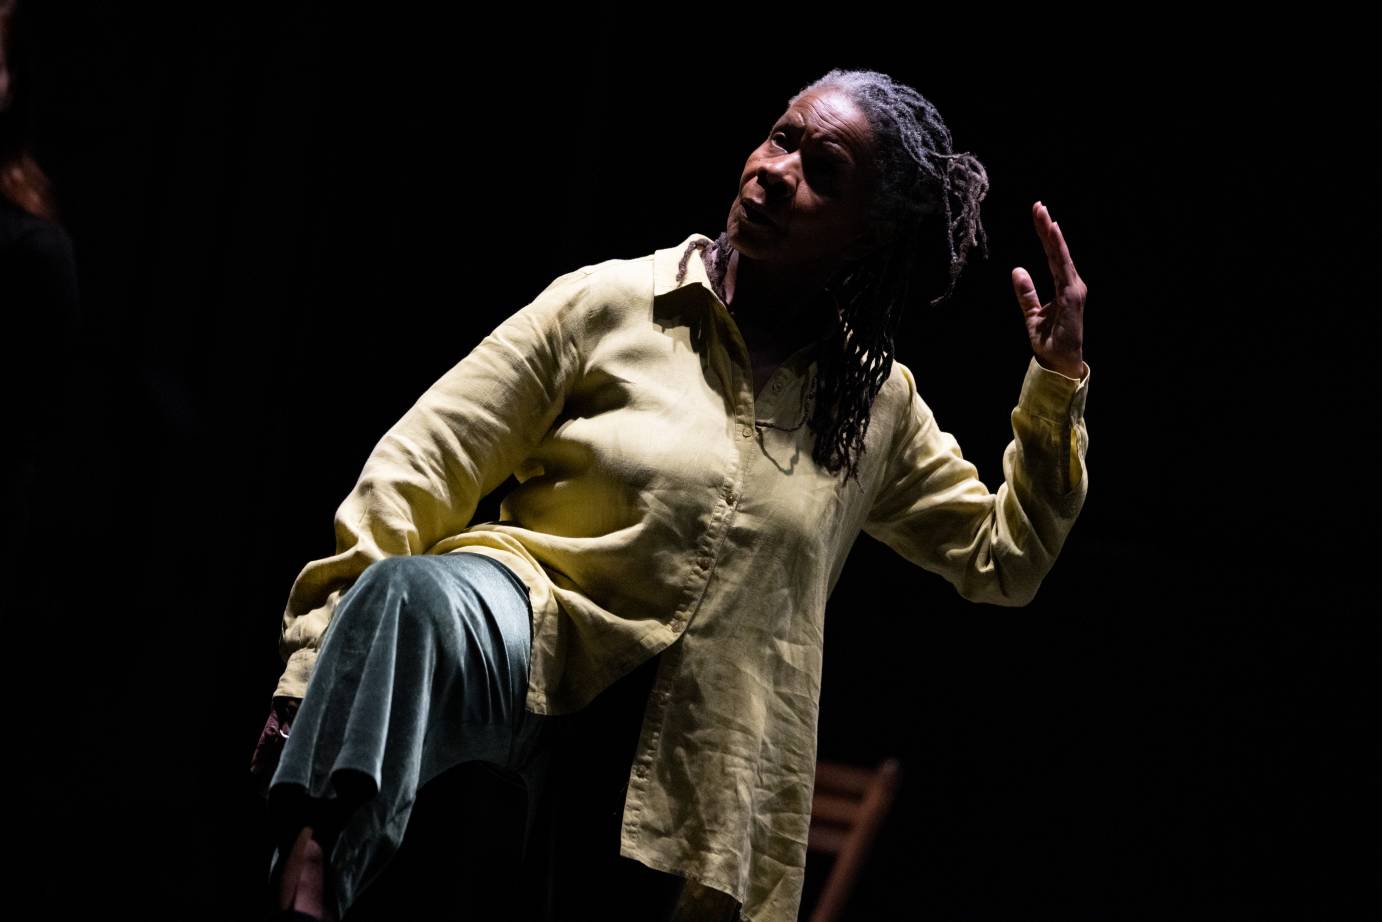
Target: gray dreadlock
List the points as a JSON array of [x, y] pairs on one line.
[[925, 190]]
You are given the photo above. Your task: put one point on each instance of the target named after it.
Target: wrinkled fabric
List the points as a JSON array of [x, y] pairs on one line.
[[662, 505], [424, 667]]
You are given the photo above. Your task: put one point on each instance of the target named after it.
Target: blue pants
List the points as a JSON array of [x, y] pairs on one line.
[[423, 666]]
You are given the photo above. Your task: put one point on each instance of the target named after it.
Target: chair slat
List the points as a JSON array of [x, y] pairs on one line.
[[836, 800], [835, 809], [832, 776], [830, 839]]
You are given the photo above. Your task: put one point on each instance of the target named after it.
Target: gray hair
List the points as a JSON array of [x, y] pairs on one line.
[[921, 183], [920, 176], [924, 190]]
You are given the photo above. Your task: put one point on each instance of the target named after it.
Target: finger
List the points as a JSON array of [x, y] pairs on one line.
[[1068, 273], [1025, 290], [1057, 253]]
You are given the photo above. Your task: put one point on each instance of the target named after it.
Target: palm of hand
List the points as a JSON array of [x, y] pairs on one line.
[[1056, 327]]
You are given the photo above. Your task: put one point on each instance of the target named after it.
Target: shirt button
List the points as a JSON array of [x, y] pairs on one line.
[[777, 386], [705, 563], [746, 432]]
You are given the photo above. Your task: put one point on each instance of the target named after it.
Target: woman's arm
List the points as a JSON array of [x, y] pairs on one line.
[[932, 507], [934, 510], [460, 440]]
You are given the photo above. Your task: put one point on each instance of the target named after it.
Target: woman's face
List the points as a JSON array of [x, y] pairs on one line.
[[804, 193]]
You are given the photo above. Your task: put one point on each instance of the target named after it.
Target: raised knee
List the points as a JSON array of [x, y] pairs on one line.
[[409, 581], [401, 572], [388, 569]]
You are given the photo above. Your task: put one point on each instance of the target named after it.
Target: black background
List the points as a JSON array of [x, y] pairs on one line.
[[288, 222]]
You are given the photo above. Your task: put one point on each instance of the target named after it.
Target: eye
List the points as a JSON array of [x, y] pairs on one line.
[[778, 134], [826, 175]]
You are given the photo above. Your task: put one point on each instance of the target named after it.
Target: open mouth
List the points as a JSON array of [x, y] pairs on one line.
[[755, 214]]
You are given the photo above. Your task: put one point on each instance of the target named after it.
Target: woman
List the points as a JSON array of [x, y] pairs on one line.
[[699, 437]]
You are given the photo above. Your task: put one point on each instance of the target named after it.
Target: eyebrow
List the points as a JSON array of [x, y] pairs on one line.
[[837, 150]]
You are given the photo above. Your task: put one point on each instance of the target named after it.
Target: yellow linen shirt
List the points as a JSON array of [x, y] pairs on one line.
[[654, 507]]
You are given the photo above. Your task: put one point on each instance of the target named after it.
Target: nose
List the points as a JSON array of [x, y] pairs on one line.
[[778, 175]]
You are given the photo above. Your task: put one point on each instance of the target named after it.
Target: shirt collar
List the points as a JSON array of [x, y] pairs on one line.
[[666, 263]]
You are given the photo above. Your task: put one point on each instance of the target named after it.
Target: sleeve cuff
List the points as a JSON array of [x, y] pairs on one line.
[[1052, 395]]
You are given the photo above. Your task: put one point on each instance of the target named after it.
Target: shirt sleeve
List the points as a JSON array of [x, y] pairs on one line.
[[462, 438], [992, 547]]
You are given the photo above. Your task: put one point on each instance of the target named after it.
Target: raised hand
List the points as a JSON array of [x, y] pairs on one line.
[[1055, 328]]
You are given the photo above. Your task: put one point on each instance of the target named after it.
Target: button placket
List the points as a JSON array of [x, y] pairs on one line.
[[661, 694]]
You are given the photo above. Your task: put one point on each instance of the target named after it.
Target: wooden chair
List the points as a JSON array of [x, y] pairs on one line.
[[848, 808]]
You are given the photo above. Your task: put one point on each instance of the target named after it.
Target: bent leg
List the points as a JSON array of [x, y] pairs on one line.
[[424, 666]]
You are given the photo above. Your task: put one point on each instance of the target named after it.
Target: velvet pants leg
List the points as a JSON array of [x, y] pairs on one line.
[[423, 667]]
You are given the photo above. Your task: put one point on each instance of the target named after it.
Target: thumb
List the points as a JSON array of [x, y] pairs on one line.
[[1025, 290]]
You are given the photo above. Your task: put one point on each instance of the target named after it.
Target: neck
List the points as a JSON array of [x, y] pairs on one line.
[[783, 309]]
